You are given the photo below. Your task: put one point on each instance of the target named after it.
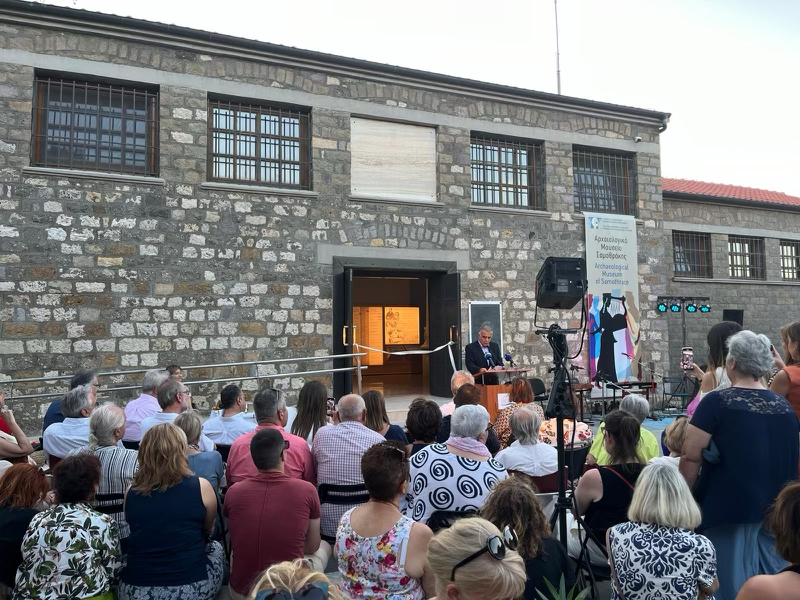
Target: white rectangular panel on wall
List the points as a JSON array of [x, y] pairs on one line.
[[392, 161]]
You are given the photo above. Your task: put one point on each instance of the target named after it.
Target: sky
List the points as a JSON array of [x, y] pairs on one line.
[[727, 70]]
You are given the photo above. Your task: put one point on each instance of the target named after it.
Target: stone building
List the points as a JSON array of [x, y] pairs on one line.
[[738, 246], [172, 195]]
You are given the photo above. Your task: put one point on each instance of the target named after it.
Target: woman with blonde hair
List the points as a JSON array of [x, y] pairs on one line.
[[787, 380], [474, 560], [171, 513], [207, 465], [294, 579], [658, 545]]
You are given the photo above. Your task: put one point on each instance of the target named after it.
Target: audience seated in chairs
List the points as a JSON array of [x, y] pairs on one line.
[[171, 512], [173, 398], [458, 379], [312, 411], [294, 580], [23, 488], [146, 405], [271, 413], [9, 449], [467, 394], [647, 446], [513, 503], [457, 475], [207, 465], [474, 560], [784, 522], [54, 413], [378, 418], [423, 421], [337, 453], [271, 517], [224, 428], [381, 552], [658, 545], [521, 394], [604, 494], [73, 432], [118, 464], [528, 455], [70, 550]]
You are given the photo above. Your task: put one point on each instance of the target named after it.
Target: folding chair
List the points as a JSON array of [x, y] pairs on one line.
[[130, 445], [444, 519], [540, 394], [224, 450], [584, 566], [574, 459], [342, 495]]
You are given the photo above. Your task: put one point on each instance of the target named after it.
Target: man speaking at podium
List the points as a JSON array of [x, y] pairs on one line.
[[483, 356]]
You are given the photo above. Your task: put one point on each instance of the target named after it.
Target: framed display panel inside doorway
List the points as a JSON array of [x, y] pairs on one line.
[[486, 311]]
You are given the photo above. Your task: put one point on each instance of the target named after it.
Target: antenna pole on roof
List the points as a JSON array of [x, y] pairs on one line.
[[558, 56]]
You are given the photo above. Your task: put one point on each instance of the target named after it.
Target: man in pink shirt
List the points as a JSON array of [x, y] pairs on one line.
[[271, 517], [269, 406], [144, 406]]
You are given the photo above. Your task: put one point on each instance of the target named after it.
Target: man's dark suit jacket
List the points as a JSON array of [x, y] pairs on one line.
[[475, 361]]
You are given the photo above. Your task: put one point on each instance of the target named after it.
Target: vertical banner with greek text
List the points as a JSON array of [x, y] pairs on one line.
[[612, 269]]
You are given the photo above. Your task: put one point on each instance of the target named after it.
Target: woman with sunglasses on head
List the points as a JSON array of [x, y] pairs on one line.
[[513, 504], [381, 552], [294, 581], [474, 560]]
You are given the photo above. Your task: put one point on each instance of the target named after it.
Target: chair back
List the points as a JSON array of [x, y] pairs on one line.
[[343, 494], [224, 450], [546, 484], [444, 519], [130, 445], [538, 386], [116, 503], [574, 459]]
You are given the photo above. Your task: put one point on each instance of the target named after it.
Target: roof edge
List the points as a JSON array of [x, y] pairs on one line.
[[763, 204], [132, 29]]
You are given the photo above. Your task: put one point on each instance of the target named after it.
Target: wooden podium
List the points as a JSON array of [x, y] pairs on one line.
[[489, 393]]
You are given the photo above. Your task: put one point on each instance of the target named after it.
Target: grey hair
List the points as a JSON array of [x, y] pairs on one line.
[[267, 402], [460, 378], [525, 423], [751, 353], [104, 420], [637, 405], [469, 421], [76, 400], [351, 407], [486, 327], [154, 378]]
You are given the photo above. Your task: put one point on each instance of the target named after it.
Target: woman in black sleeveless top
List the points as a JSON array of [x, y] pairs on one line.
[[604, 494], [784, 522]]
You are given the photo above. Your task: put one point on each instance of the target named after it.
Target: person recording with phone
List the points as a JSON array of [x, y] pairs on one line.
[[483, 356]]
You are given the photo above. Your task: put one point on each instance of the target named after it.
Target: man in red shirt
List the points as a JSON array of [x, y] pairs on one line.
[[271, 517], [269, 406]]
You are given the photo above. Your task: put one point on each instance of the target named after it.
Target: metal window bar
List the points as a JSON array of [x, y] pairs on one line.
[[259, 144], [94, 126], [692, 253], [604, 182], [507, 173], [746, 257], [790, 260], [10, 383]]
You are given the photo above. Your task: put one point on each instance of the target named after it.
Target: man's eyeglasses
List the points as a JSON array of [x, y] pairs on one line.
[[495, 546], [310, 591], [186, 393]]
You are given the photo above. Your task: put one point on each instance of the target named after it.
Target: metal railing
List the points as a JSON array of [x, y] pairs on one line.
[[10, 383]]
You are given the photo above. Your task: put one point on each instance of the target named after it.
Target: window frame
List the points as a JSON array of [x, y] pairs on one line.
[[697, 252], [602, 157], [534, 172], [755, 249], [303, 140], [793, 257], [41, 140]]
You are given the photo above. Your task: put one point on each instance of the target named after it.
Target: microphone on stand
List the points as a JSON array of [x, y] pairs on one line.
[[508, 358]]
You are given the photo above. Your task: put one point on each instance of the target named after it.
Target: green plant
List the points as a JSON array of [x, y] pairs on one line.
[[561, 592]]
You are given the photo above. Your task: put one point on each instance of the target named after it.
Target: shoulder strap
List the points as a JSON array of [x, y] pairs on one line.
[[610, 470]]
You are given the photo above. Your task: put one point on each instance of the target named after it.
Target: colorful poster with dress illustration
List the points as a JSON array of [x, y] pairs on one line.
[[612, 269]]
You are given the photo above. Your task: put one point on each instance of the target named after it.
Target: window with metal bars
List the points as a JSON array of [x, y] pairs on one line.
[[94, 126], [692, 252], [254, 144], [790, 260], [507, 173], [746, 257], [604, 182]]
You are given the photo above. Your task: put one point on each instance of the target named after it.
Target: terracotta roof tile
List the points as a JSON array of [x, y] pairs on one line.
[[718, 190]]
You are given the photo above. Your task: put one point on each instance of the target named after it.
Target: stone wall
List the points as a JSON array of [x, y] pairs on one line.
[[767, 305], [123, 273]]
